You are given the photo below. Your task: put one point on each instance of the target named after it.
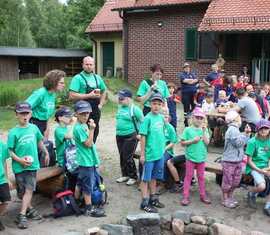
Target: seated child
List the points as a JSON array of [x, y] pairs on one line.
[[258, 152], [200, 95], [152, 149], [221, 103], [232, 158], [23, 143], [172, 100], [195, 139], [208, 105], [87, 157], [5, 197]]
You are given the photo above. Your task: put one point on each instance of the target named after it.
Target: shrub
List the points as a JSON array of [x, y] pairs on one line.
[[8, 96]]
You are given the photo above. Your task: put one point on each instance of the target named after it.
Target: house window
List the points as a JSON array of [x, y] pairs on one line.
[[231, 46], [207, 47], [191, 41]]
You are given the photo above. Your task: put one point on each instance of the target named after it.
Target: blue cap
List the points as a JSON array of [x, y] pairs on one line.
[[156, 96], [63, 111], [82, 107], [124, 93], [23, 107]]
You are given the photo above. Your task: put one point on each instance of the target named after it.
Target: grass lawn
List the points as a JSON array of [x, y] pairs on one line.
[[20, 90]]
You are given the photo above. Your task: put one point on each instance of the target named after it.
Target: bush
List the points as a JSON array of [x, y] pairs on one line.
[[8, 96]]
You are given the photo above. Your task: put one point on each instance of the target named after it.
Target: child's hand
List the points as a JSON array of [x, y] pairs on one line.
[[266, 173], [25, 163], [92, 124], [196, 139]]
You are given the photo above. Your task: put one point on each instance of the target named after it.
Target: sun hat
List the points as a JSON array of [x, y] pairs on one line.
[[231, 116], [197, 112], [262, 123]]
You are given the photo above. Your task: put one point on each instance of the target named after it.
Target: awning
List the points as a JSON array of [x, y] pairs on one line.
[[236, 16]]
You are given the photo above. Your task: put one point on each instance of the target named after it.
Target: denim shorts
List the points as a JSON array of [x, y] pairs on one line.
[[258, 177], [153, 170], [25, 180], [86, 179]]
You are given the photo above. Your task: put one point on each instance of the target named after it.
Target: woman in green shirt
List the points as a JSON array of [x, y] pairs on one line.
[[151, 86], [43, 99]]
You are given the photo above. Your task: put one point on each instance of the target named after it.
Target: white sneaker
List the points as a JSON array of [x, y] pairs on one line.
[[131, 181], [122, 179]]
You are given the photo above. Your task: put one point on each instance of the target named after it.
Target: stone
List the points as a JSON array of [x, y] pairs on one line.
[[92, 231], [182, 215], [256, 233], [198, 219], [145, 224], [178, 227], [197, 229], [166, 221], [211, 220], [222, 229], [102, 232], [117, 229]]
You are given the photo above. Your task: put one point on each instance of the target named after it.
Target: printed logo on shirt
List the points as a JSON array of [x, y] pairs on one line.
[[50, 105], [26, 139]]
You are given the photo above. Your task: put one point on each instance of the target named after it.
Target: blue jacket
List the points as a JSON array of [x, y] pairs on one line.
[[187, 87]]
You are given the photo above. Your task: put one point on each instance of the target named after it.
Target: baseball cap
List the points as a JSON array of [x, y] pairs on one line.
[[63, 111], [82, 107], [231, 116], [23, 107], [124, 93], [156, 96], [197, 112], [186, 65], [262, 123]]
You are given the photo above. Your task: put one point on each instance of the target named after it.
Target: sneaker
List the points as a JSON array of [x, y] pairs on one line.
[[33, 214], [251, 199], [131, 182], [205, 200], [95, 212], [122, 179], [149, 209], [21, 221], [235, 202], [185, 202], [176, 188], [266, 211], [156, 203], [2, 227]]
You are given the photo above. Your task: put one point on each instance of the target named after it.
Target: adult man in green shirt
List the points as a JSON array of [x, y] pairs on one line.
[[90, 87]]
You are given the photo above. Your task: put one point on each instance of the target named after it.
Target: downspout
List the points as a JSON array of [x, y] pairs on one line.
[[125, 40], [95, 45]]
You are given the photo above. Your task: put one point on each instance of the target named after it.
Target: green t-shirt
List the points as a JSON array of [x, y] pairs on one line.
[[171, 137], [86, 156], [78, 83], [59, 135], [259, 151], [43, 103], [195, 152], [23, 141], [124, 122], [145, 87], [153, 128], [3, 157]]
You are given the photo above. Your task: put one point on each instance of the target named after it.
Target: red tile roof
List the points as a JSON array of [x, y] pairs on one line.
[[237, 15], [106, 20], [133, 4]]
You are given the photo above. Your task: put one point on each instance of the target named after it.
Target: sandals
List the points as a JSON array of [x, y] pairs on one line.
[[149, 209], [229, 204], [33, 214], [21, 221], [185, 202]]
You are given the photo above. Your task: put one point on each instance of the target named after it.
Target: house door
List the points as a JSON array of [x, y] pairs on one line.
[[108, 57]]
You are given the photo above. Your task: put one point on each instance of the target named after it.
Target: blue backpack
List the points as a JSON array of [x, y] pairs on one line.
[[99, 195]]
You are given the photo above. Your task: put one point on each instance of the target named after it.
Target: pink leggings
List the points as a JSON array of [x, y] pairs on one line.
[[200, 167]]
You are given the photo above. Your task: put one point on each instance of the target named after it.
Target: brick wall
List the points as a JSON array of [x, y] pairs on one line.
[[148, 43]]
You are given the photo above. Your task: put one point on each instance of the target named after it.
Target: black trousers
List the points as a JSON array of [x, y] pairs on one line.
[[188, 103], [95, 115], [42, 125], [126, 147]]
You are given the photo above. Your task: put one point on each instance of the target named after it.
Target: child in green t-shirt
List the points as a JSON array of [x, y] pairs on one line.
[[258, 152], [23, 143], [195, 138], [87, 157], [4, 185], [128, 119], [153, 142]]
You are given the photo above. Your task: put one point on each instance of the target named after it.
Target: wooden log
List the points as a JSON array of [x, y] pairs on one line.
[[50, 186]]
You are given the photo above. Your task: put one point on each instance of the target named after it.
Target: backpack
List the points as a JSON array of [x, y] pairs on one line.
[[70, 161], [134, 119], [99, 195], [64, 204]]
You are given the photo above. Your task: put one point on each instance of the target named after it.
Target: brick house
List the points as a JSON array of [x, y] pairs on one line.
[[171, 32]]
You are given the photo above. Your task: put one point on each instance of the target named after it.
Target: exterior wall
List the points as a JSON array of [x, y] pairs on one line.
[[9, 68], [115, 37], [149, 43]]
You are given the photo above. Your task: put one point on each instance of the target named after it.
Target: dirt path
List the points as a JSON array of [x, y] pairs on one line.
[[124, 200]]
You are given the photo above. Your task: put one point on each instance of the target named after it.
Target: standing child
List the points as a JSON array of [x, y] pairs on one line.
[[23, 143], [258, 152], [172, 101], [152, 149], [195, 138], [87, 157], [128, 119], [4, 186], [232, 157]]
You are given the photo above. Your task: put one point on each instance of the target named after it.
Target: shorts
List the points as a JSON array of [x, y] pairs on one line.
[[25, 180], [153, 170], [4, 193], [86, 179], [257, 177], [232, 174], [179, 159]]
